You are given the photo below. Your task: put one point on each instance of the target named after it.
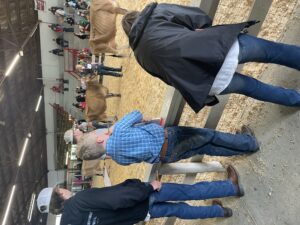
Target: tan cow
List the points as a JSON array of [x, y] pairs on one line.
[[103, 14], [96, 95]]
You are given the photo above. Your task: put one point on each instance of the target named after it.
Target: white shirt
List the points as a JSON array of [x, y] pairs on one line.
[[148, 217], [60, 12], [227, 70]]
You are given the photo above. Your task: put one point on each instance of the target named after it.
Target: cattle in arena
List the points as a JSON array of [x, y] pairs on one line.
[[103, 14], [96, 95]]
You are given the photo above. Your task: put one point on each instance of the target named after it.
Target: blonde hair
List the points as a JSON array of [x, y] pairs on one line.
[[88, 148]]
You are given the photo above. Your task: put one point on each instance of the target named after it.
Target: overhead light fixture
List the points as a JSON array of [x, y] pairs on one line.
[[12, 65], [38, 103], [8, 205], [23, 151], [30, 210], [21, 53]]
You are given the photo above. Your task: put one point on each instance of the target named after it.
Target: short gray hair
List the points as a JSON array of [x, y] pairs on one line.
[[88, 148]]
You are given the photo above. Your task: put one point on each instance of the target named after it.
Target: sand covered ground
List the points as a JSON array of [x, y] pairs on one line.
[[143, 92]]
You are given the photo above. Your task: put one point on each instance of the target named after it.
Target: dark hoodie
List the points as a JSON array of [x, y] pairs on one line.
[[167, 46], [123, 204]]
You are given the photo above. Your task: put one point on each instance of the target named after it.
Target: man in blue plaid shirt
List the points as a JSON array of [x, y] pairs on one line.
[[132, 140]]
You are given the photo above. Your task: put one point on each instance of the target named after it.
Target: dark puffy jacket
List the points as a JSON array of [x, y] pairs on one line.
[[123, 204], [167, 46]]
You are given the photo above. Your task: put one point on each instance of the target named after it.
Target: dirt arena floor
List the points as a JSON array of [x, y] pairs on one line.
[[143, 92]]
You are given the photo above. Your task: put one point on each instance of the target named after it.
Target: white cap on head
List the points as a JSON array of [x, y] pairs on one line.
[[43, 200], [68, 136]]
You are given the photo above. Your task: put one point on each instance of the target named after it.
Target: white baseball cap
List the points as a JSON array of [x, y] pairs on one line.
[[43, 200], [68, 136]]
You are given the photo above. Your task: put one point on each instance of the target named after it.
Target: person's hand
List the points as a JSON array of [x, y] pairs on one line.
[[156, 185], [146, 119]]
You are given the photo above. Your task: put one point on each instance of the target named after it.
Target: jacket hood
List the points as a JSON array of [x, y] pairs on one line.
[[140, 24]]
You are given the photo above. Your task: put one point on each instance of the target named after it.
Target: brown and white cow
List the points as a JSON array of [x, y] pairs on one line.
[[103, 14]]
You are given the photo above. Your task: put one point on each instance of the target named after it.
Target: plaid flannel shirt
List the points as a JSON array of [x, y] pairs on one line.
[[133, 141]]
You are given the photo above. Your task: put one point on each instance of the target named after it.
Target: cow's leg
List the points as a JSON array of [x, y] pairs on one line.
[[112, 43], [109, 95], [118, 56]]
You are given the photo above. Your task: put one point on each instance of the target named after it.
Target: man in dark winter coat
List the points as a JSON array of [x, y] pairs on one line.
[[57, 51], [61, 42], [179, 45], [133, 201]]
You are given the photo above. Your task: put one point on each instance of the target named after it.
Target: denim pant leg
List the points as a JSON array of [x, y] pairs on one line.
[[68, 29], [110, 68], [160, 207], [184, 211], [245, 85], [109, 73], [253, 49], [198, 191], [185, 142]]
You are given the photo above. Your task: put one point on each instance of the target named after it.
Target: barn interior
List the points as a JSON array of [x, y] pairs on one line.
[[37, 90]]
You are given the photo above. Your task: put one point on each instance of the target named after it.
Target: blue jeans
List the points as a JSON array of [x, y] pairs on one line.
[[101, 66], [103, 71], [185, 142], [161, 207], [254, 49], [68, 29]]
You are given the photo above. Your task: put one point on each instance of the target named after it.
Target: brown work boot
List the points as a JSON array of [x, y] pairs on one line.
[[245, 129], [227, 211], [234, 177]]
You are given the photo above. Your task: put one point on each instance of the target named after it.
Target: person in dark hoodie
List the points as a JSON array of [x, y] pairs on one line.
[[179, 45], [61, 42], [133, 201]]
